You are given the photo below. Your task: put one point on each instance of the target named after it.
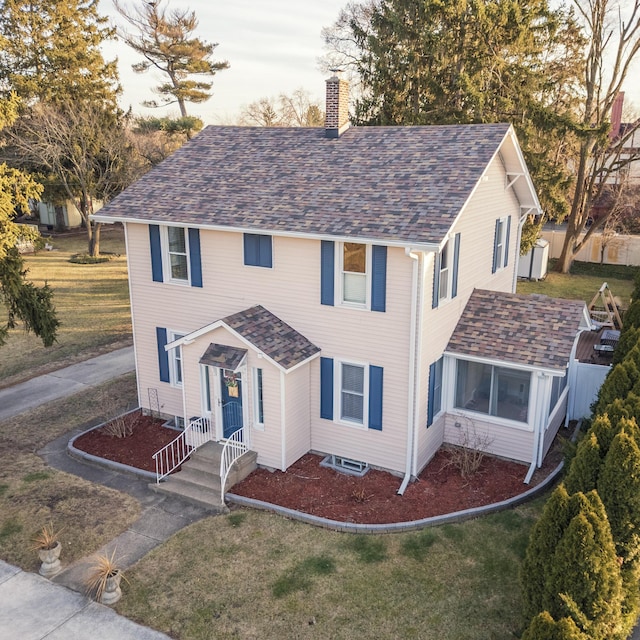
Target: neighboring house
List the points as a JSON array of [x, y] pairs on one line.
[[62, 216], [347, 291]]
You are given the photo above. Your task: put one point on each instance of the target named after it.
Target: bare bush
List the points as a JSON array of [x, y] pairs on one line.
[[468, 454]]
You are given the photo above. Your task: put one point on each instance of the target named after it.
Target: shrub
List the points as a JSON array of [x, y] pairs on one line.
[[628, 338], [585, 466], [616, 385], [544, 627]]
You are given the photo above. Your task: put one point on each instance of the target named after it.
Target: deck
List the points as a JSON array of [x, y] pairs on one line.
[[585, 351]]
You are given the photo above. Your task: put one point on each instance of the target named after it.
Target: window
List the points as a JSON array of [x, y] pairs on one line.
[[258, 409], [258, 250], [558, 385], [175, 360], [175, 255], [353, 395], [492, 390], [435, 391], [354, 273], [206, 386], [445, 272], [501, 244]]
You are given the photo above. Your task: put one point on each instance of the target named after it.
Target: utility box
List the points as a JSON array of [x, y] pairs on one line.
[[533, 265]]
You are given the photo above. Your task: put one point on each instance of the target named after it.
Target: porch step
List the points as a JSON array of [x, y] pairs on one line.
[[198, 481]]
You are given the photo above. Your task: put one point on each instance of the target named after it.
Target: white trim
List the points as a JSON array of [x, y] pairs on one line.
[[337, 393], [257, 399], [174, 358], [505, 363], [501, 241], [283, 421], [420, 246], [166, 256]]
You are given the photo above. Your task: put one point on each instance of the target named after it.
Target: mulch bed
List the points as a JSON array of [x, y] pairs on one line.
[[308, 487]]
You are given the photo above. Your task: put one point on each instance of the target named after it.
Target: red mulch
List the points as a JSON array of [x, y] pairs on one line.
[[308, 487]]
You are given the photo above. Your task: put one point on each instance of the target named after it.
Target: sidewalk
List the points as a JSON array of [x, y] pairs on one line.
[[65, 382], [33, 608]]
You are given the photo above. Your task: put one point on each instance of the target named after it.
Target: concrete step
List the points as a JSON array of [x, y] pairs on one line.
[[198, 477], [192, 493]]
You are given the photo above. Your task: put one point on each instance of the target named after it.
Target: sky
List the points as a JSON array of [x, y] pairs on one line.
[[272, 47]]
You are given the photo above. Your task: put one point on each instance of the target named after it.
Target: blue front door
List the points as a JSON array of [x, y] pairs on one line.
[[231, 402]]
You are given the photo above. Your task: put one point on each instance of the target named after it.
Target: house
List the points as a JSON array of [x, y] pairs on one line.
[[345, 290], [62, 216]]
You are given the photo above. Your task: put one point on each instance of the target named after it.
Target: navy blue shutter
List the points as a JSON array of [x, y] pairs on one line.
[[265, 258], [496, 237], [156, 252], [195, 258], [163, 356], [326, 388], [327, 265], [456, 257], [251, 249], [378, 278], [436, 281], [432, 388], [506, 242], [375, 398]]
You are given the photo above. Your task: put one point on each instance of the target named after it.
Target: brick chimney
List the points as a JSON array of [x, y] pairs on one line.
[[337, 107], [616, 116]]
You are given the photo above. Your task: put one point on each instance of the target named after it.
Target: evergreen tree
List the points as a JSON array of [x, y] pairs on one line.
[[629, 337], [627, 407], [585, 466], [24, 302], [166, 42], [544, 627], [50, 51], [617, 384]]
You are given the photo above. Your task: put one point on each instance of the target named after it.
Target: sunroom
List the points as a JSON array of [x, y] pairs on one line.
[[505, 373]]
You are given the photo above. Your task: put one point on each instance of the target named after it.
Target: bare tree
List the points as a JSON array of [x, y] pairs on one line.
[[295, 110], [84, 149], [165, 40], [613, 33]]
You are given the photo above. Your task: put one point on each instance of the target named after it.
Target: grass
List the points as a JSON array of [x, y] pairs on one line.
[[584, 281], [34, 495], [268, 577], [92, 302]]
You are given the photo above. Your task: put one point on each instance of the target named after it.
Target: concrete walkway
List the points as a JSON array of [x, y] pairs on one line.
[[65, 382], [32, 607]]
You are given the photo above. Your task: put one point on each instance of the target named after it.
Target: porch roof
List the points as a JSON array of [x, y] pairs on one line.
[[223, 356], [531, 330], [271, 335]]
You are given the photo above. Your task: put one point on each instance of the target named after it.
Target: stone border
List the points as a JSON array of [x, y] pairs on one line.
[[395, 527], [103, 462]]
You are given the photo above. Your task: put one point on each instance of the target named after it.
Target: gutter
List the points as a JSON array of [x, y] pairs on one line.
[[412, 370]]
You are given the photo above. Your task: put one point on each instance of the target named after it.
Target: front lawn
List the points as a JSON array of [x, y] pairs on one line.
[[92, 301]]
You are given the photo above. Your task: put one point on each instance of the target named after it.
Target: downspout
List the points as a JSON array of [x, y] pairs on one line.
[[521, 222], [412, 370], [537, 427]]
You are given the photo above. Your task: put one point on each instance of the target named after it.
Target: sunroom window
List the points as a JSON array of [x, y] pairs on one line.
[[492, 390]]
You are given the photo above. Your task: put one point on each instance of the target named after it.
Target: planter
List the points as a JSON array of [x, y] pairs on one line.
[[50, 559], [233, 391], [112, 592]]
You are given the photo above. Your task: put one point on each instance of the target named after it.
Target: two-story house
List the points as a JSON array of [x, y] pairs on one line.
[[345, 290]]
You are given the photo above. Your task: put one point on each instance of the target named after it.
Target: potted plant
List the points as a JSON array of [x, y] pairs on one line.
[[48, 546], [103, 581]]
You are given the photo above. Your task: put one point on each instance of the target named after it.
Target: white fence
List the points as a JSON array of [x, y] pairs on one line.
[[619, 249], [584, 388]]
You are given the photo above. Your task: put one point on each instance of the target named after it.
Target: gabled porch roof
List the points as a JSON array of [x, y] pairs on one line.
[[530, 331], [263, 331]]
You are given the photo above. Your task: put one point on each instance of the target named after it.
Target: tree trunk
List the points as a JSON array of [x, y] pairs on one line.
[[94, 239]]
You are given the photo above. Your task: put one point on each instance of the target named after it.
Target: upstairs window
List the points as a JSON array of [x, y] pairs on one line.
[[501, 244], [354, 273], [258, 250], [177, 253], [445, 271]]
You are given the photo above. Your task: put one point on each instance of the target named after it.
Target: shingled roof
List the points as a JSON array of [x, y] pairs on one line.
[[399, 184], [532, 330], [274, 337]]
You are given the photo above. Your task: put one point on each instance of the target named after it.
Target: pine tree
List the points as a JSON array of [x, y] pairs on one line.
[[24, 302], [616, 385], [50, 51], [165, 41], [629, 337], [627, 407], [604, 432]]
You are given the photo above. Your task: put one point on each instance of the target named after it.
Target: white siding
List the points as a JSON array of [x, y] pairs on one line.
[[555, 421]]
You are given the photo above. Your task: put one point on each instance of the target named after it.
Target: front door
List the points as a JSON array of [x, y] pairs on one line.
[[231, 396]]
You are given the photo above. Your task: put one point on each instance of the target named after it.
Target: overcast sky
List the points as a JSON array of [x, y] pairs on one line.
[[272, 46]]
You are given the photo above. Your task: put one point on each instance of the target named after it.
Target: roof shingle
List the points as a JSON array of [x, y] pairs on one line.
[[404, 184], [531, 330], [274, 337]]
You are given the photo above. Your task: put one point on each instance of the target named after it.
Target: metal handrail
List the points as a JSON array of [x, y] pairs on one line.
[[233, 449], [172, 455]]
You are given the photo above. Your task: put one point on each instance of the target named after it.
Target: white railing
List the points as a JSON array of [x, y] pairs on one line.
[[233, 448], [171, 456]]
